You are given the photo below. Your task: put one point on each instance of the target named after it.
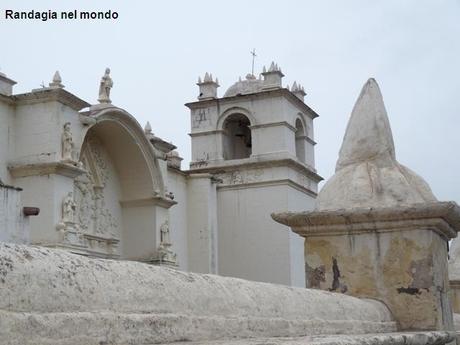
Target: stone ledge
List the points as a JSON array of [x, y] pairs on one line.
[[262, 94], [49, 94], [39, 169], [442, 217], [82, 328], [260, 161], [416, 338]]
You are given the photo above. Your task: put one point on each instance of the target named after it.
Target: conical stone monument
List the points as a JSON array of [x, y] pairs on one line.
[[377, 230]]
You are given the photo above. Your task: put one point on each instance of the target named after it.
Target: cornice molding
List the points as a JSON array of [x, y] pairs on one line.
[[50, 94], [262, 94], [441, 217], [40, 169]]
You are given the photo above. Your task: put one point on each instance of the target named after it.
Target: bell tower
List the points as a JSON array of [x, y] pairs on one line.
[[257, 143]]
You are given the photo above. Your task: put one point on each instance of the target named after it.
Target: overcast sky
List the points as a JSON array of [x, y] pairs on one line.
[[157, 50]]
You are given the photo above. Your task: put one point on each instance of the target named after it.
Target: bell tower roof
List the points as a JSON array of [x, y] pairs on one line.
[[243, 87]]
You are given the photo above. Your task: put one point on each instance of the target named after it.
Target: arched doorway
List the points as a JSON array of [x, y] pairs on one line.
[[237, 141]]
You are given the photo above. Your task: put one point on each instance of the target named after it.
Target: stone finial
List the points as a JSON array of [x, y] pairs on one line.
[[57, 81], [208, 87], [173, 159], [368, 134], [298, 91], [272, 77], [377, 230], [105, 86], [148, 128], [367, 172]]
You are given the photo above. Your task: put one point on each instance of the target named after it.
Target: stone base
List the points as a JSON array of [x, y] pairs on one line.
[[50, 297], [396, 254]]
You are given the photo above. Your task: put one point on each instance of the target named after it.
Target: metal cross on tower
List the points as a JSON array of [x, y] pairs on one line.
[[253, 53]]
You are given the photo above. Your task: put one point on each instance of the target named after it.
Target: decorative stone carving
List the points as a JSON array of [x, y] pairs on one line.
[[241, 177], [93, 215], [68, 208], [87, 222], [105, 87], [165, 256], [236, 178], [71, 234], [57, 81], [173, 159], [200, 117], [67, 144], [164, 233]]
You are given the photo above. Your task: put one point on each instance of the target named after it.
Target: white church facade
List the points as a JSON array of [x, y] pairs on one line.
[[82, 184], [89, 179]]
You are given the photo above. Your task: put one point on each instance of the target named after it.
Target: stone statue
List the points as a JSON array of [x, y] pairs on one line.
[[68, 208], [67, 143], [164, 233], [104, 87]]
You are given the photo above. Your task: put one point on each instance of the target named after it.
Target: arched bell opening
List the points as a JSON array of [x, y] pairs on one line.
[[237, 140], [300, 136]]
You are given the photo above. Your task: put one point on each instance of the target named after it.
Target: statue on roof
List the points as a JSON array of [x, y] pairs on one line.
[[104, 87]]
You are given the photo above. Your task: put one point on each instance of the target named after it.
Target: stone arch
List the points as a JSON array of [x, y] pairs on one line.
[[235, 125], [235, 110], [130, 131], [237, 138], [120, 197]]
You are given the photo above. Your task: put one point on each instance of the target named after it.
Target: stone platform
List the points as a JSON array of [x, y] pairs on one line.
[[49, 296]]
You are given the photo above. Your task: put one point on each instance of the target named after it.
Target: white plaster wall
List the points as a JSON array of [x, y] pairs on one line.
[[207, 147], [39, 129], [6, 140], [139, 238], [251, 245], [298, 202], [13, 225], [177, 184], [47, 193], [202, 224], [273, 139]]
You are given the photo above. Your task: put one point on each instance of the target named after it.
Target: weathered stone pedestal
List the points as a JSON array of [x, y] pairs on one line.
[[377, 230], [454, 275], [395, 254]]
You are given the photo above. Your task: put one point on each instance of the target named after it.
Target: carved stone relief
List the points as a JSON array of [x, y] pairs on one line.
[[303, 180], [200, 118], [86, 219], [68, 146], [241, 177], [164, 255]]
